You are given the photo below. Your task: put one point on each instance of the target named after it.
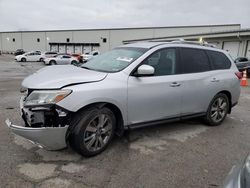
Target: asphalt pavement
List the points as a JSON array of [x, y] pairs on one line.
[[182, 154]]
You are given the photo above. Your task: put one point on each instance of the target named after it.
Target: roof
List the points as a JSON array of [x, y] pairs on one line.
[[237, 32], [147, 45], [175, 43], [123, 28]]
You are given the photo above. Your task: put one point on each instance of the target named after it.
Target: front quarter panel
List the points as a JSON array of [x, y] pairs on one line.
[[113, 89]]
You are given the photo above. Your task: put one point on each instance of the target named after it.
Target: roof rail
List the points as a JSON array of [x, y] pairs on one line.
[[202, 43]]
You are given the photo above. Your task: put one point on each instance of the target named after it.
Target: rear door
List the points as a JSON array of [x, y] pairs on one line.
[[198, 81]]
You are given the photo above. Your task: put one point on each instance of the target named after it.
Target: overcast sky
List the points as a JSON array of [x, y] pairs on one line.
[[81, 14]]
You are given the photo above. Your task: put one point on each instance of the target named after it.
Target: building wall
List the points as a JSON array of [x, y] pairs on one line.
[[115, 37], [30, 41]]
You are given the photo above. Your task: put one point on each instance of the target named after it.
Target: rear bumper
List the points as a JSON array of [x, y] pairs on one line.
[[50, 138]]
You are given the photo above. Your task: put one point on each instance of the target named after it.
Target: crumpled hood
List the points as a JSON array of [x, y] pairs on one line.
[[55, 77]]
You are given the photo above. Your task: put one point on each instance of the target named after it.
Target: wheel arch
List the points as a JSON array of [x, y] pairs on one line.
[[114, 108], [229, 95]]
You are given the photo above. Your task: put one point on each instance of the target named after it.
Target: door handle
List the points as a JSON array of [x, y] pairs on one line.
[[215, 80], [175, 84]]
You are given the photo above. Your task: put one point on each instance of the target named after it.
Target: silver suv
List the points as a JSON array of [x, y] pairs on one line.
[[128, 87]]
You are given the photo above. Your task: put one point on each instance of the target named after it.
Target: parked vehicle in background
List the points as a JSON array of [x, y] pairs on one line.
[[60, 59], [77, 56], [29, 56], [87, 56], [243, 63], [47, 55], [239, 175], [19, 52], [131, 86]]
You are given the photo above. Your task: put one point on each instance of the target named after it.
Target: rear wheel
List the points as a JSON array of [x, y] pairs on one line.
[[92, 131], [23, 59], [217, 110], [52, 62]]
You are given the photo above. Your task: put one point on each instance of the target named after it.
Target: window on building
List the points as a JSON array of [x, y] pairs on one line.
[[218, 60], [104, 40], [38, 40], [194, 60], [14, 40], [68, 40]]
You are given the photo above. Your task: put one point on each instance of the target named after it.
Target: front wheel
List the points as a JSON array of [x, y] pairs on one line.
[[217, 110], [74, 62], [93, 131], [23, 59]]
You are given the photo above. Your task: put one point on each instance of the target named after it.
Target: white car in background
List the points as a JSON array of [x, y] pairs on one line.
[[29, 56], [60, 59], [87, 56], [48, 55]]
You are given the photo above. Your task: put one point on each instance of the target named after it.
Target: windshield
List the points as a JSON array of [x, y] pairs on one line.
[[114, 60]]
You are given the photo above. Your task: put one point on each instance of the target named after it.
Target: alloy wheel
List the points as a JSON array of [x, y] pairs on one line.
[[98, 132], [219, 109]]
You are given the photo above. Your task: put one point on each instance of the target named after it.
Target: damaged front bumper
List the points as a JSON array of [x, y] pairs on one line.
[[43, 126], [50, 138]]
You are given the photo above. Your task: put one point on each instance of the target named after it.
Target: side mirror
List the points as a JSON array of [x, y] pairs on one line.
[[145, 70]]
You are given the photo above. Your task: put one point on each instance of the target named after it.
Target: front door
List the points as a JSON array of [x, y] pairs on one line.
[[156, 97]]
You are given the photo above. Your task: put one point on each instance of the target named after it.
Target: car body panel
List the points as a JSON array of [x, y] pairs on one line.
[[153, 98], [50, 138], [110, 90], [233, 178], [55, 77]]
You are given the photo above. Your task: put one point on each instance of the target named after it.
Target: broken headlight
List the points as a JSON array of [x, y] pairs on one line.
[[43, 97]]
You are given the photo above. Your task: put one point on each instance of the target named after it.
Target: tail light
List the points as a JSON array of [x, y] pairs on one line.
[[239, 75]]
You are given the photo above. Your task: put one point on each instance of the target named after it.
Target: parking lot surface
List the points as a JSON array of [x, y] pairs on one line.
[[182, 154]]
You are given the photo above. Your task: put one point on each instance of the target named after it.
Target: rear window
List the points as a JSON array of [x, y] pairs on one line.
[[194, 60], [218, 60]]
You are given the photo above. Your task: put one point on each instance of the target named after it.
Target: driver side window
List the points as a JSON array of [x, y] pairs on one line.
[[163, 61]]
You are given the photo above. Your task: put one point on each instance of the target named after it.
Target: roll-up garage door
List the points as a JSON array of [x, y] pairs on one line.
[[62, 48], [54, 48], [69, 49], [232, 48], [78, 49]]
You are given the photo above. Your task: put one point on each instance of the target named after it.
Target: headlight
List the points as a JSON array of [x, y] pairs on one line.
[[41, 97]]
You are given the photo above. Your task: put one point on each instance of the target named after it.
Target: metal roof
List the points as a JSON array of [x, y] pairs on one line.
[[122, 28], [237, 32]]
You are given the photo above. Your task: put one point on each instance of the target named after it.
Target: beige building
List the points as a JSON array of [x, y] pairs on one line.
[[80, 41]]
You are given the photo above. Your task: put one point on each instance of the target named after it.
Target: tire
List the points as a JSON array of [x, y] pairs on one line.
[[23, 59], [88, 136], [52, 62], [73, 62], [217, 110], [41, 59]]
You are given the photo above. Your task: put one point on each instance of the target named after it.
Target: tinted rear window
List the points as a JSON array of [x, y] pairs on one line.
[[194, 60], [218, 60]]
